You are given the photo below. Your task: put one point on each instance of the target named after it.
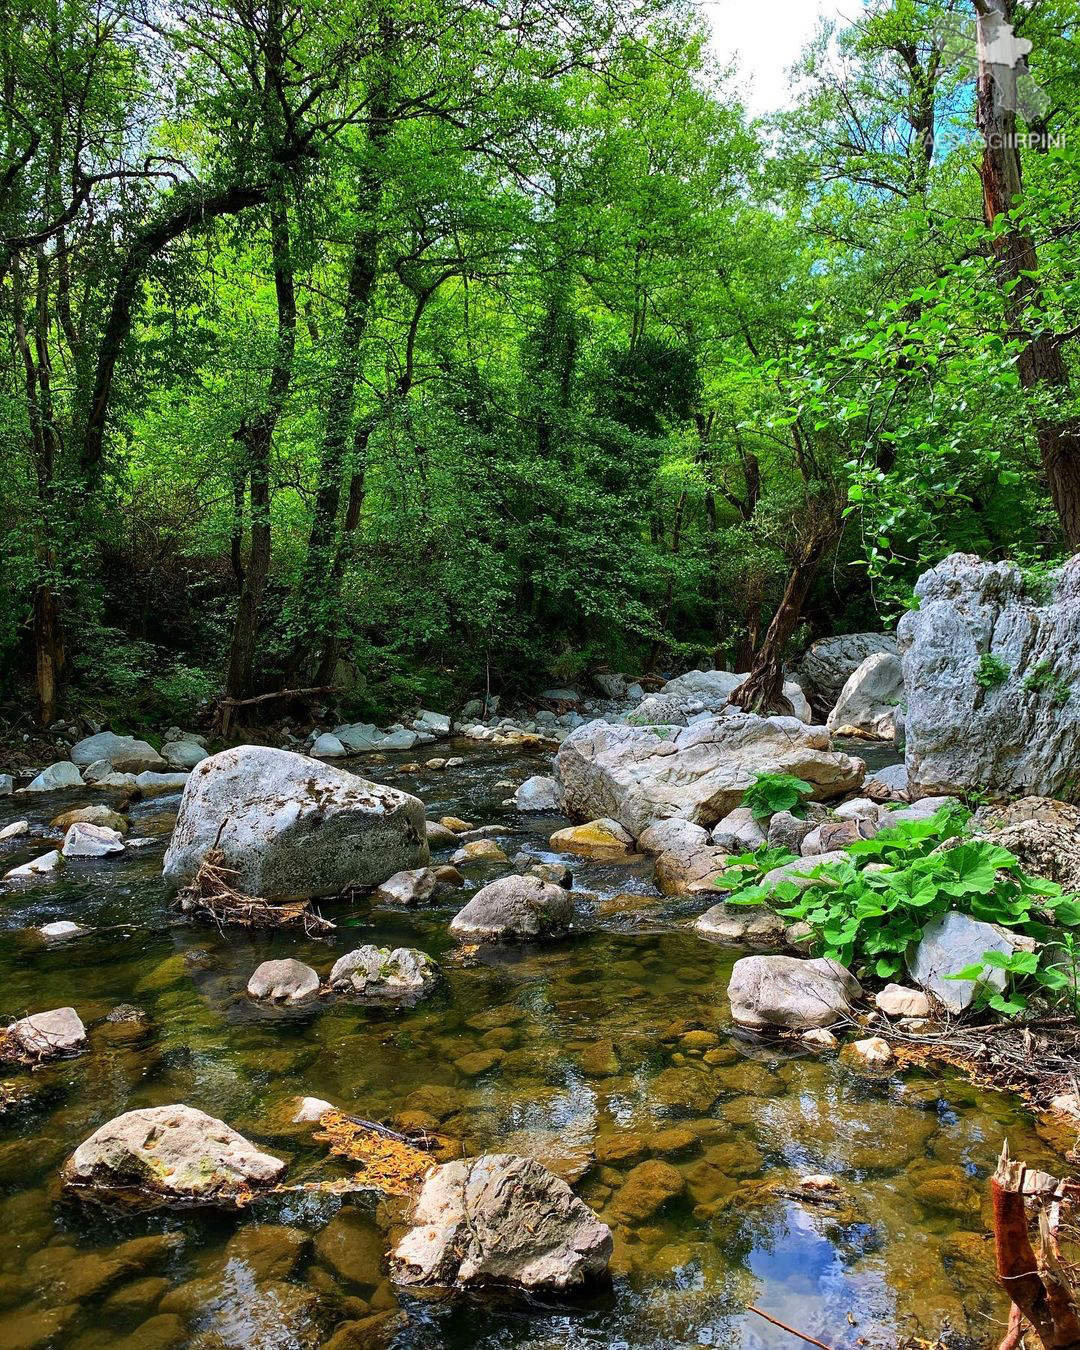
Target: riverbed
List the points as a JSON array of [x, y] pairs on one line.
[[594, 1053]]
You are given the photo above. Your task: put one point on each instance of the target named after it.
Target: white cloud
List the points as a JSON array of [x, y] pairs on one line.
[[766, 37]]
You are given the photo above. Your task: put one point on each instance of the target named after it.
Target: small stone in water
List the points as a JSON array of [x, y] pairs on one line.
[[15, 828], [48, 862], [289, 981], [874, 1051], [309, 1110], [91, 841], [61, 929]]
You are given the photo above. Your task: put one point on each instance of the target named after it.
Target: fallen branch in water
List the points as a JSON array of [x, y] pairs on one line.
[[212, 897], [810, 1340]]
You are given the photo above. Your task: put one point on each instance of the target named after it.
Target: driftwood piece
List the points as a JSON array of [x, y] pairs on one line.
[[212, 897], [1039, 1285]]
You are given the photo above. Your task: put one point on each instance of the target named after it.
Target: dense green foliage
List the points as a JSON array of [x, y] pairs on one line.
[[474, 343], [868, 919], [772, 792]]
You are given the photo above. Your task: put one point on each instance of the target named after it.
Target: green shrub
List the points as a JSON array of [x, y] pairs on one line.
[[992, 672], [868, 920], [772, 792], [1043, 680]]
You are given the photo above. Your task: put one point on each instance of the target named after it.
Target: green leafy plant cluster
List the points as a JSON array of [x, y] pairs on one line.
[[992, 672], [772, 792], [867, 919], [1043, 680]]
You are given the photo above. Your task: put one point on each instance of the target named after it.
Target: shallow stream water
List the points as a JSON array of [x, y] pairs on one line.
[[595, 1054]]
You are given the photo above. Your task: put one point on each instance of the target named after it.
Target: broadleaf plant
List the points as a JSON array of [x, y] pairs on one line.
[[772, 792], [867, 911]]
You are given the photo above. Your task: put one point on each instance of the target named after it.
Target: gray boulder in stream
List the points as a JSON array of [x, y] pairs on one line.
[[500, 1220], [639, 775], [292, 826], [514, 909], [992, 679], [785, 991]]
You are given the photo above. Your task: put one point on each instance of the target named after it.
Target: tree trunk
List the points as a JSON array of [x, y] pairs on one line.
[[763, 689], [257, 438], [1041, 363]]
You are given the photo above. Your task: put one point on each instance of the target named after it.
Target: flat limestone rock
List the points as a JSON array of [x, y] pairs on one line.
[[175, 1154], [638, 775], [292, 826], [742, 923], [605, 840], [500, 1219], [950, 944]]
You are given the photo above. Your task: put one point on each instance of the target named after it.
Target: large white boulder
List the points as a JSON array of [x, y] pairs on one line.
[[176, 1153], [637, 775], [830, 662], [500, 1219], [291, 826], [869, 700], [992, 673], [125, 753], [786, 991], [514, 909]]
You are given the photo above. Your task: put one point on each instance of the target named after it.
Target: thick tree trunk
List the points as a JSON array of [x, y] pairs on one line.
[[257, 438], [763, 689], [1041, 363]]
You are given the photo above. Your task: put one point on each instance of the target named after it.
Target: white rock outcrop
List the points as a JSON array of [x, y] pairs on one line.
[[638, 776], [992, 673]]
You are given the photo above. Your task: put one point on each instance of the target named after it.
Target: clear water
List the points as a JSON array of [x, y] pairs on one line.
[[594, 1054]]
